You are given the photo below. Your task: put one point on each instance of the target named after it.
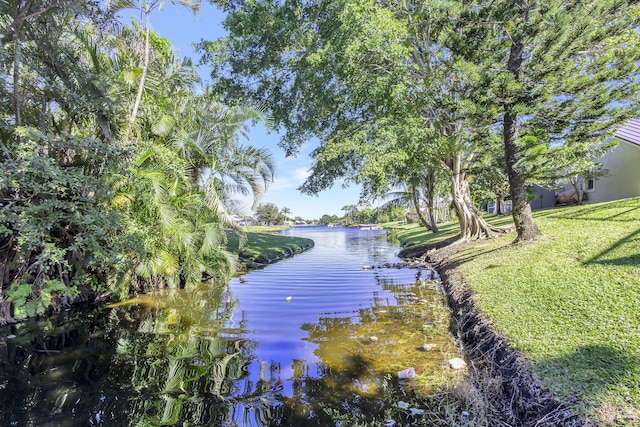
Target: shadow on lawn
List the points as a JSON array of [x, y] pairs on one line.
[[610, 211], [628, 245], [590, 371]]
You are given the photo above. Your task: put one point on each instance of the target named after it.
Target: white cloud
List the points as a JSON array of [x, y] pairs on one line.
[[281, 184], [301, 174], [295, 180]]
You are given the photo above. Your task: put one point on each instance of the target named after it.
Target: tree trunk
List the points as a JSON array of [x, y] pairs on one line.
[[574, 184], [17, 59], [432, 217], [472, 225], [143, 77], [430, 190], [521, 210], [7, 256], [416, 205], [5, 310]]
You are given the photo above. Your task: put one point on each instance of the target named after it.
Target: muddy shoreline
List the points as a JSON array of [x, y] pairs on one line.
[[511, 394]]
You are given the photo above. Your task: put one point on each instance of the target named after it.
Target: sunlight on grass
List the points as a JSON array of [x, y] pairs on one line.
[[266, 248], [569, 303]]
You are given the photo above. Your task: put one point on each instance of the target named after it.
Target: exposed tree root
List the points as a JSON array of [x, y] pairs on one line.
[[512, 394]]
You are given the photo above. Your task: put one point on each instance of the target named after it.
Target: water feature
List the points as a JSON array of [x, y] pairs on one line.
[[313, 340]]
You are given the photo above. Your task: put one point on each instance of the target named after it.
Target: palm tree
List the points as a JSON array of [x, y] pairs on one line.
[[146, 7], [185, 168], [183, 238], [417, 186], [285, 212], [349, 212], [18, 15], [208, 137], [409, 194], [180, 186], [82, 91]]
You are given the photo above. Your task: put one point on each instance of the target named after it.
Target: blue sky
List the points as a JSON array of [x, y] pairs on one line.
[[178, 25]]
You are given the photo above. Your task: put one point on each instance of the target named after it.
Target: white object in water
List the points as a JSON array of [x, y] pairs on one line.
[[428, 347], [457, 363], [407, 373], [288, 299]]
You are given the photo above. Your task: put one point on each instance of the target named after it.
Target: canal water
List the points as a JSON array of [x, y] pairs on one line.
[[315, 340]]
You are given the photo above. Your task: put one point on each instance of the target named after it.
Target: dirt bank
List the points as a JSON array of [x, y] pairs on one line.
[[511, 394]]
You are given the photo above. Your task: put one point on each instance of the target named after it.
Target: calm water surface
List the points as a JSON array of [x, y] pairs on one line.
[[312, 340]]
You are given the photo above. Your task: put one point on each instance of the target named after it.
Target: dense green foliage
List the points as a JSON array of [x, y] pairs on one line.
[[395, 89], [569, 303], [327, 219], [115, 175], [59, 234]]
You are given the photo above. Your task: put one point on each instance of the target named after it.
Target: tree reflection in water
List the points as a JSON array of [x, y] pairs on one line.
[[183, 358], [169, 358]]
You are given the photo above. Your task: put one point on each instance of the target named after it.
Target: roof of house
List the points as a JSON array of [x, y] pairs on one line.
[[630, 132]]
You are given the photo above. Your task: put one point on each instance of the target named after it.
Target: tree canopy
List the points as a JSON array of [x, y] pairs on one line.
[[448, 76]]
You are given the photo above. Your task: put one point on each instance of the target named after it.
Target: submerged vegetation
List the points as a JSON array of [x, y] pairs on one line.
[[201, 356]]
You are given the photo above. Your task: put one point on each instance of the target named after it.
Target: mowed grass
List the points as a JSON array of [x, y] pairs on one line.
[[415, 239], [266, 228], [265, 248], [570, 302]]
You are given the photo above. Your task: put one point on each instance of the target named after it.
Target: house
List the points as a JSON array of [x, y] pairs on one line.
[[622, 167], [543, 198], [505, 206], [620, 180], [244, 221]]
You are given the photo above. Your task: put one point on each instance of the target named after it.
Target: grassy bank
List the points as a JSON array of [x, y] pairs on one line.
[[570, 303], [266, 248], [266, 228]]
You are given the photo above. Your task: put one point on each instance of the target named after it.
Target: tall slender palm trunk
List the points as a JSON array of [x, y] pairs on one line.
[[143, 76], [17, 60]]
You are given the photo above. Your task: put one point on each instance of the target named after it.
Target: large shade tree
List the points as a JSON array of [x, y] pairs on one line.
[[560, 76], [550, 76], [344, 72]]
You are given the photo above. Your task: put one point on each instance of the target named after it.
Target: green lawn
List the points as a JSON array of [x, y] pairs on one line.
[[266, 228], [266, 248], [570, 303]]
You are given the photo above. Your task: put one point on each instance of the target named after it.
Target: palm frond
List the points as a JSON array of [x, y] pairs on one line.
[[163, 125]]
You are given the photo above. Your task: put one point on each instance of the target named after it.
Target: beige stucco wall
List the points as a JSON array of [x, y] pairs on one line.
[[623, 176]]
